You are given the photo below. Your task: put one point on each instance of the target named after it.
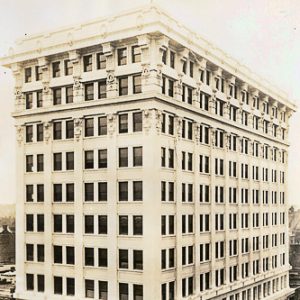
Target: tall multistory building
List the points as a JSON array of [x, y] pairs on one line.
[[151, 166]]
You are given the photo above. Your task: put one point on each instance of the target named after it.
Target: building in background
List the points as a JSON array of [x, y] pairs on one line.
[[153, 166], [7, 245]]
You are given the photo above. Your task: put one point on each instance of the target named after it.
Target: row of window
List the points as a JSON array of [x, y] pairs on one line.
[[92, 91], [167, 289], [133, 191]]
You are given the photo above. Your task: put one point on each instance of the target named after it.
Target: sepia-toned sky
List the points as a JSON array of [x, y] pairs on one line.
[[262, 34]]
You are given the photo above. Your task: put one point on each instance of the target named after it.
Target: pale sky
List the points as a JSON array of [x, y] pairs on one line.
[[262, 34]]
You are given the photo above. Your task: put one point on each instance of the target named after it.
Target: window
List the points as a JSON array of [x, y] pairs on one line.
[[102, 257], [101, 61], [57, 131], [40, 192], [122, 56], [164, 56], [137, 121], [137, 84], [70, 129], [70, 223], [40, 283], [39, 132], [28, 75], [102, 126], [56, 96], [137, 156], [137, 191], [137, 259], [89, 191], [89, 159], [69, 94], [56, 69], [40, 223], [29, 133], [29, 282], [29, 100], [103, 290], [70, 251], [136, 54], [102, 224], [57, 161], [89, 91], [123, 191], [171, 158], [39, 99], [123, 259], [89, 288], [57, 223], [171, 88], [89, 127], [102, 89], [68, 67], [123, 291], [204, 101], [123, 86], [89, 256], [88, 63], [70, 160], [70, 286], [191, 69], [38, 73], [102, 191], [57, 285], [137, 225], [70, 191], [29, 252], [172, 59], [57, 192], [29, 163], [204, 193], [57, 254], [123, 123], [102, 158], [123, 225]]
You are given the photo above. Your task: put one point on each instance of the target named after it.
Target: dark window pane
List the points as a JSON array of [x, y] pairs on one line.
[[57, 130], [137, 122], [89, 224], [137, 156], [102, 126], [29, 282], [123, 123], [89, 256], [70, 160], [123, 157], [102, 158], [58, 285], [87, 63], [89, 159], [123, 191], [70, 286], [123, 86], [122, 56], [123, 225], [137, 191], [70, 129], [102, 191]]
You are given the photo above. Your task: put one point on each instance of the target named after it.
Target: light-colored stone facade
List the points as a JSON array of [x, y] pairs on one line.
[[213, 138]]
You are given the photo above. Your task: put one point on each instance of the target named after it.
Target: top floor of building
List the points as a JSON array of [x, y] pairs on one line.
[[143, 50]]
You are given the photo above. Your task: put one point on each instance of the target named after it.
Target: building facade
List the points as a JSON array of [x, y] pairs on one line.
[[150, 166]]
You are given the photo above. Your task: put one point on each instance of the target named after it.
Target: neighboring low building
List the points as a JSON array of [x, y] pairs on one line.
[[7, 245]]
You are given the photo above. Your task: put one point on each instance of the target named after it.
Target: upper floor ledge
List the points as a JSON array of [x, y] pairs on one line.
[[148, 20]]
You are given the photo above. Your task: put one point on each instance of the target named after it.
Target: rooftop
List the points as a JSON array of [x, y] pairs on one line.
[[149, 19]]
